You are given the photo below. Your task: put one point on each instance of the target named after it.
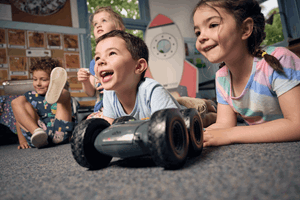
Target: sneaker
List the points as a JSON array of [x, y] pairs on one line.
[[58, 79], [39, 138]]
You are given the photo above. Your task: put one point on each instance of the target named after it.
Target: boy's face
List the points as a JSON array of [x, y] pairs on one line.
[[115, 66], [103, 23], [41, 81]]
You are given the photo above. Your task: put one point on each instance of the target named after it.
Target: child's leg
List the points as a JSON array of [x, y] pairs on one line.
[[62, 125], [27, 119], [25, 114]]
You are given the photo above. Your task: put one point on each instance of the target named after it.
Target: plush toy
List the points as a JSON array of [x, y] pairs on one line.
[[206, 108]]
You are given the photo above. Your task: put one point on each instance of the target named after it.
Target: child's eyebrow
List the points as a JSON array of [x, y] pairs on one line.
[[207, 20]]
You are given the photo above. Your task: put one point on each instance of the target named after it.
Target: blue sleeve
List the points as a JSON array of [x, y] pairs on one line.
[[108, 105], [92, 65], [162, 99]]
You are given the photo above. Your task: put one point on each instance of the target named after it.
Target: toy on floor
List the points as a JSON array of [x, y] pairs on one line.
[[169, 136]]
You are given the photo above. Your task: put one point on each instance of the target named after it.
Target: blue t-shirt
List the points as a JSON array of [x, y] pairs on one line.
[[151, 97], [99, 103]]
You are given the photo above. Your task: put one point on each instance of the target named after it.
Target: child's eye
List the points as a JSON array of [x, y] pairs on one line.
[[97, 58], [104, 20], [197, 33], [214, 25], [95, 24], [112, 53]]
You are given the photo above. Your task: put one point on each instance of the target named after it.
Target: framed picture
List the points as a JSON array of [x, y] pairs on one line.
[[36, 39], [54, 41], [16, 38], [71, 42]]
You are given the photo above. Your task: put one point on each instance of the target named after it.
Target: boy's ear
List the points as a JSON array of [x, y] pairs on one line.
[[141, 66], [247, 28]]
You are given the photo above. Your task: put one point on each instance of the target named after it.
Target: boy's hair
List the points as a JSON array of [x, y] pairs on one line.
[[46, 64], [241, 10], [135, 45], [115, 16]]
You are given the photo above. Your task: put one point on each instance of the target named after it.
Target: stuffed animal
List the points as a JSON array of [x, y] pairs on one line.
[[207, 109]]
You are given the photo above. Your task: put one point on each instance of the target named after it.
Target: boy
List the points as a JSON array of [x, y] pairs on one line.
[[103, 20], [46, 113], [121, 61]]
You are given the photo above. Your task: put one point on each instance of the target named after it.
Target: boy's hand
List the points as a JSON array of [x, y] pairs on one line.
[[215, 137], [23, 145], [83, 75]]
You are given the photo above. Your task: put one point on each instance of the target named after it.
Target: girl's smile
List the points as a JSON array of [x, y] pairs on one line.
[[218, 38]]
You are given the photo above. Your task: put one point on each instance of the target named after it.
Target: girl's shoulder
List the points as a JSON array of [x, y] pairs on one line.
[[280, 52]]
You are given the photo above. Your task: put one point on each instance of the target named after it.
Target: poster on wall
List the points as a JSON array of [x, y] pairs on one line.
[[16, 39], [54, 41], [3, 76], [75, 85], [36, 39], [71, 42], [3, 58], [72, 62], [17, 64], [2, 38]]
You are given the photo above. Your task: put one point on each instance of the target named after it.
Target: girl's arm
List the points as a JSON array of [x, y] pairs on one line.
[[226, 118], [87, 81], [280, 130]]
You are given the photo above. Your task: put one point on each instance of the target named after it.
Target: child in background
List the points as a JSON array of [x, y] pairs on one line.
[[260, 85], [103, 20], [121, 62], [46, 113]]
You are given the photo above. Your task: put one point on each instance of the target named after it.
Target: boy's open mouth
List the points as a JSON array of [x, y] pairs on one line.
[[106, 75]]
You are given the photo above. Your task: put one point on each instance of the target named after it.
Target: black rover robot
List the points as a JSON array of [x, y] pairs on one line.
[[169, 136]]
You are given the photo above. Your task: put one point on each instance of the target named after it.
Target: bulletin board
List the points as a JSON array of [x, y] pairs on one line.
[[20, 48]]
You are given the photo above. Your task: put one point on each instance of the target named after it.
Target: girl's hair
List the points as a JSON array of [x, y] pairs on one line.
[[241, 10], [115, 16], [46, 64]]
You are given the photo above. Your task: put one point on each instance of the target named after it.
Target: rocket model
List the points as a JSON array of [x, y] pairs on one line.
[[167, 63]]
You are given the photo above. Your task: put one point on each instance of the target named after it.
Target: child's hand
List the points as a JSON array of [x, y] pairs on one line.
[[23, 145], [83, 75], [215, 137], [100, 87]]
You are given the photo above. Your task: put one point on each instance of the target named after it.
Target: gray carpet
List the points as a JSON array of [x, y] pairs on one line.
[[246, 171]]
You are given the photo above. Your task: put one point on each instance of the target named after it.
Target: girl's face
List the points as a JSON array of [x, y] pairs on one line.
[[103, 23], [218, 38], [41, 81]]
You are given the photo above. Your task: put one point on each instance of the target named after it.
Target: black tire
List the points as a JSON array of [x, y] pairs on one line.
[[168, 139], [194, 126], [123, 119], [82, 144]]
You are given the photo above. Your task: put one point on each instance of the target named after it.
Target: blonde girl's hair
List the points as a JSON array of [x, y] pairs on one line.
[[241, 10], [115, 16]]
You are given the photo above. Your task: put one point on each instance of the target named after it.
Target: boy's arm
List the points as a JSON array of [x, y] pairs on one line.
[[280, 130], [22, 141], [108, 119]]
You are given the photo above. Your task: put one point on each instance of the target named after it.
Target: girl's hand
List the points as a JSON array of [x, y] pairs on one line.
[[100, 87], [23, 145], [83, 75], [215, 137]]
